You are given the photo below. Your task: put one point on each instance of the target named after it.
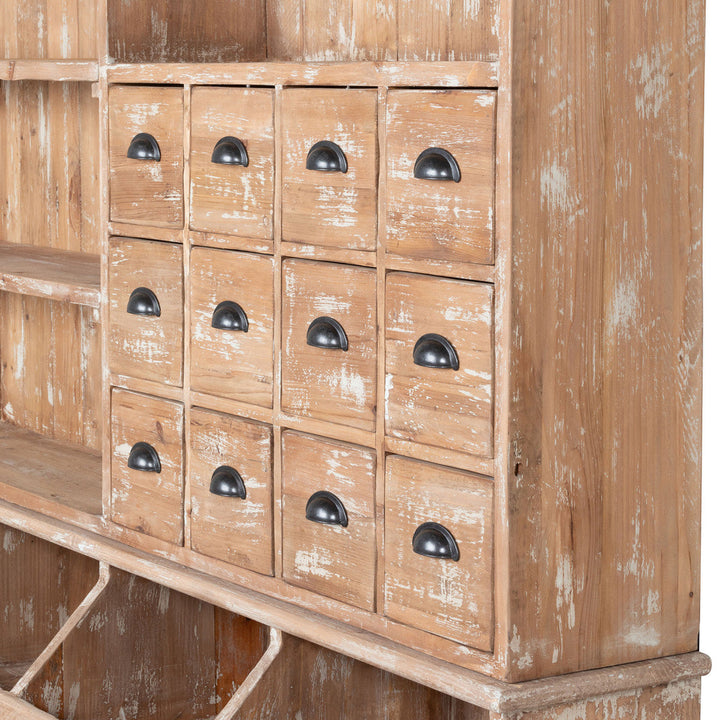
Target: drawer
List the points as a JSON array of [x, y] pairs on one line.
[[430, 215], [329, 190], [329, 323], [329, 518], [146, 155], [146, 310], [147, 465], [439, 550], [231, 306], [231, 482], [232, 161], [439, 362]]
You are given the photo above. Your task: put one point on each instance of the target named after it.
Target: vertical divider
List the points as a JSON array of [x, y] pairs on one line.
[[277, 333], [380, 412], [80, 612], [187, 500]]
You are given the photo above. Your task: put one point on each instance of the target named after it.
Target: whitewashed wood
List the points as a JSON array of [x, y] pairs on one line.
[[52, 70]]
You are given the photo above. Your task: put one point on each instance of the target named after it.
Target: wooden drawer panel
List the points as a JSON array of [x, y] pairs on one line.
[[225, 360], [441, 219], [336, 209], [146, 191], [224, 524], [146, 345], [151, 499], [451, 598], [333, 384], [441, 406], [331, 559], [226, 197]]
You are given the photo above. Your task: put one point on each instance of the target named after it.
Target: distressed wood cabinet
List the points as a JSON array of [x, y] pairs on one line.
[[350, 359]]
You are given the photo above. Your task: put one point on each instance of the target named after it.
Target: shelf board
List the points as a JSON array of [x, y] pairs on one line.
[[48, 475], [358, 74], [50, 70], [56, 274]]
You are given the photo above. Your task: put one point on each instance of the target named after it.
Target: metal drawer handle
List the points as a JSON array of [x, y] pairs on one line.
[[326, 156], [144, 457], [328, 334], [436, 164], [228, 315], [435, 541], [144, 147], [230, 151], [326, 508], [227, 482], [435, 351], [143, 301]]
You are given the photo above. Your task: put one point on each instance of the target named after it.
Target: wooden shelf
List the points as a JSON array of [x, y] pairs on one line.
[[50, 70], [43, 474], [359, 74], [56, 274]]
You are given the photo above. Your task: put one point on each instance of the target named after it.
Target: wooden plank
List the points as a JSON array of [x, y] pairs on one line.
[[341, 74], [65, 474], [56, 274], [50, 70], [604, 366]]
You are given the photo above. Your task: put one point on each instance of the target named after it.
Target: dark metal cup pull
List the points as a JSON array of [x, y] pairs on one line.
[[143, 301], [326, 508], [436, 164], [435, 351], [226, 481], [326, 156], [328, 334], [144, 147], [228, 315], [435, 541], [144, 457], [230, 151]]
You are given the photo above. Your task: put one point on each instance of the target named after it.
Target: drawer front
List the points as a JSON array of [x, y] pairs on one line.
[[322, 205], [329, 518], [328, 307], [433, 326], [232, 161], [146, 310], [443, 514], [147, 465], [146, 188], [230, 468], [231, 305], [433, 216]]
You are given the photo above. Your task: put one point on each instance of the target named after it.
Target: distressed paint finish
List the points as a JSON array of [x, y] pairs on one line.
[[149, 502], [445, 408], [239, 531], [41, 584], [146, 192], [449, 598], [603, 473], [329, 384], [332, 209], [441, 220], [232, 199], [147, 347], [232, 363], [329, 559]]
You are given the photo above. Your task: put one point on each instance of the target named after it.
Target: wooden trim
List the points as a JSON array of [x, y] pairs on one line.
[[13, 708], [342, 74], [146, 387], [328, 254], [145, 232], [50, 70], [231, 407], [334, 431], [461, 271], [441, 456], [48, 273]]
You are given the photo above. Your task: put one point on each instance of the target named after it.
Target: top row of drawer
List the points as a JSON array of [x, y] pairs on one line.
[[439, 155]]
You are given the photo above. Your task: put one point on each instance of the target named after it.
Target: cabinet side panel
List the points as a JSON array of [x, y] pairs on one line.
[[603, 466]]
